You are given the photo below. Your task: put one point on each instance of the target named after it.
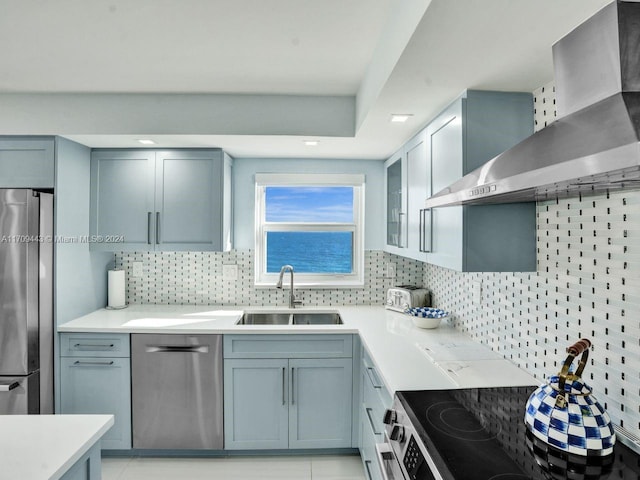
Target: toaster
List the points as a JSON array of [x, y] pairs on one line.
[[404, 297]]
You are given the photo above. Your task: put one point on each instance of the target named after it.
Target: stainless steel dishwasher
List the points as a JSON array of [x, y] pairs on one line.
[[176, 384]]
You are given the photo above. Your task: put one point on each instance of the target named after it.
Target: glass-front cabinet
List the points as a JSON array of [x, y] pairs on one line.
[[408, 185], [396, 201]]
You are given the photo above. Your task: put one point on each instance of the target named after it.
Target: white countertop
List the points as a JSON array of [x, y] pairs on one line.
[[47, 446], [396, 346]]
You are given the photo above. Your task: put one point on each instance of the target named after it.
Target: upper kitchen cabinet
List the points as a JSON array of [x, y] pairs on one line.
[[174, 200], [488, 238], [408, 184], [27, 162]]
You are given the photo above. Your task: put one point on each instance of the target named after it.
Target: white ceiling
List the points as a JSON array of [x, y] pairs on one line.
[[393, 56]]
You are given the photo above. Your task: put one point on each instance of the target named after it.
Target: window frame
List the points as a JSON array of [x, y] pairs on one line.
[[306, 280]]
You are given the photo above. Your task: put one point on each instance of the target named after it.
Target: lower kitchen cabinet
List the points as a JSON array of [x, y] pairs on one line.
[[279, 403], [375, 398], [256, 408], [96, 383], [320, 404]]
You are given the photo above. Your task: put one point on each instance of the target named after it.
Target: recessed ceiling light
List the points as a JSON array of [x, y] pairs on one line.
[[145, 141], [400, 117], [311, 143]]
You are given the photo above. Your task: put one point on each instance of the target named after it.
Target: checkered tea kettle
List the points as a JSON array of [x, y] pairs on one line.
[[564, 414]]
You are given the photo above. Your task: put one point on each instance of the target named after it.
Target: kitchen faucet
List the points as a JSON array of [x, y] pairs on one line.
[[292, 298]]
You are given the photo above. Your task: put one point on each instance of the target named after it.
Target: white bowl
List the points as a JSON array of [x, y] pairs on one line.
[[425, 322]]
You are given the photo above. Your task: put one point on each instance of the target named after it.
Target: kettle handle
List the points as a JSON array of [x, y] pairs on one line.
[[580, 347]]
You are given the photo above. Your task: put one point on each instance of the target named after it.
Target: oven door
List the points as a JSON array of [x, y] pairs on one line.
[[389, 465]]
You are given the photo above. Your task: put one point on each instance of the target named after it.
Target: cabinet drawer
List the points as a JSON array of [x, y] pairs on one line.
[[375, 395], [288, 346], [368, 448], [94, 345]]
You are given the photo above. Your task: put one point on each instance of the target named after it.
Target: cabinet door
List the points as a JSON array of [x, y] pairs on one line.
[[396, 201], [418, 189], [122, 191], [189, 195], [320, 403], [27, 163], [92, 385], [255, 404], [445, 139]]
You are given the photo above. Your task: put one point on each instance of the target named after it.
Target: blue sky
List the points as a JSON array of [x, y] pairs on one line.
[[309, 204]]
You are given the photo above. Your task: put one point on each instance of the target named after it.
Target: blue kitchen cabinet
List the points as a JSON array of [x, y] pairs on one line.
[[374, 400], [144, 200], [98, 382], [88, 467], [407, 175], [290, 391], [255, 404], [320, 403], [479, 238], [27, 162]]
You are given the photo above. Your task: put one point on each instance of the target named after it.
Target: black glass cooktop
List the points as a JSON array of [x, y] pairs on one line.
[[479, 434]]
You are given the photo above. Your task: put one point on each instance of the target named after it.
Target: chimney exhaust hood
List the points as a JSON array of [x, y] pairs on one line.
[[594, 146]]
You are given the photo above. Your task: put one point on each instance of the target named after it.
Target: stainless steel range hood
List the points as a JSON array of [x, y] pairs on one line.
[[594, 145]]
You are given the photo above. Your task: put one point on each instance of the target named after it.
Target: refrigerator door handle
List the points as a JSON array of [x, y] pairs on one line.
[[7, 387]]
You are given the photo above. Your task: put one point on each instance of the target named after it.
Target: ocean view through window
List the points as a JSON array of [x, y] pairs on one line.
[[312, 222]]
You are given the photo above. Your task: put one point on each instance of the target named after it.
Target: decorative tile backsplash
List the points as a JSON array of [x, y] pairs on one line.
[[185, 278], [587, 285]]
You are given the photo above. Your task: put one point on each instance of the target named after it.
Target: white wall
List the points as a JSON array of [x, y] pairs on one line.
[[244, 170]]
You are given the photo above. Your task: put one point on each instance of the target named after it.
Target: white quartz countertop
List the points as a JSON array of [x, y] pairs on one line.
[[47, 446], [402, 352]]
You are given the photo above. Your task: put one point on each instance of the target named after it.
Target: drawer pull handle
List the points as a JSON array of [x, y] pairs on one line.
[[373, 427], [373, 376], [292, 386], [177, 349], [7, 387], [89, 345], [367, 464], [105, 364]]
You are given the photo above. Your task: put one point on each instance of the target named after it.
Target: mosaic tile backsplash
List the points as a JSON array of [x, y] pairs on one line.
[[188, 278], [587, 285]]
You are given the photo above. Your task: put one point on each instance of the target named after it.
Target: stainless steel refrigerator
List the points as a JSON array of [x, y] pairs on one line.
[[26, 301]]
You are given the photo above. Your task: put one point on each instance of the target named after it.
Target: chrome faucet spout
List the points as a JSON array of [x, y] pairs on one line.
[[292, 298]]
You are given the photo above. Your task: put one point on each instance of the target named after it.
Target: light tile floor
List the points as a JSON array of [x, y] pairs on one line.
[[318, 467]]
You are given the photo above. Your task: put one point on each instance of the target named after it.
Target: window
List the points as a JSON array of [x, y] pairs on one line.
[[314, 223]]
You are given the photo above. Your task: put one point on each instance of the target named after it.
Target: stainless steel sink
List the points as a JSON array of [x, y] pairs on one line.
[[317, 318], [254, 318], [290, 318]]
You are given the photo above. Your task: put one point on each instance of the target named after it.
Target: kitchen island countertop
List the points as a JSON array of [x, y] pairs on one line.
[[394, 343], [47, 446]]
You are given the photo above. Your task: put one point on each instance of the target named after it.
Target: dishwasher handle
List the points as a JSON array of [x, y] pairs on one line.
[[177, 349]]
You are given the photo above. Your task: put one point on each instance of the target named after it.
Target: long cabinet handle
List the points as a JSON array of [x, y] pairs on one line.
[[373, 426], [367, 464], [400, 215], [149, 228], [157, 228], [292, 386], [284, 380], [7, 387], [84, 362], [426, 230], [373, 377], [89, 345], [177, 349]]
